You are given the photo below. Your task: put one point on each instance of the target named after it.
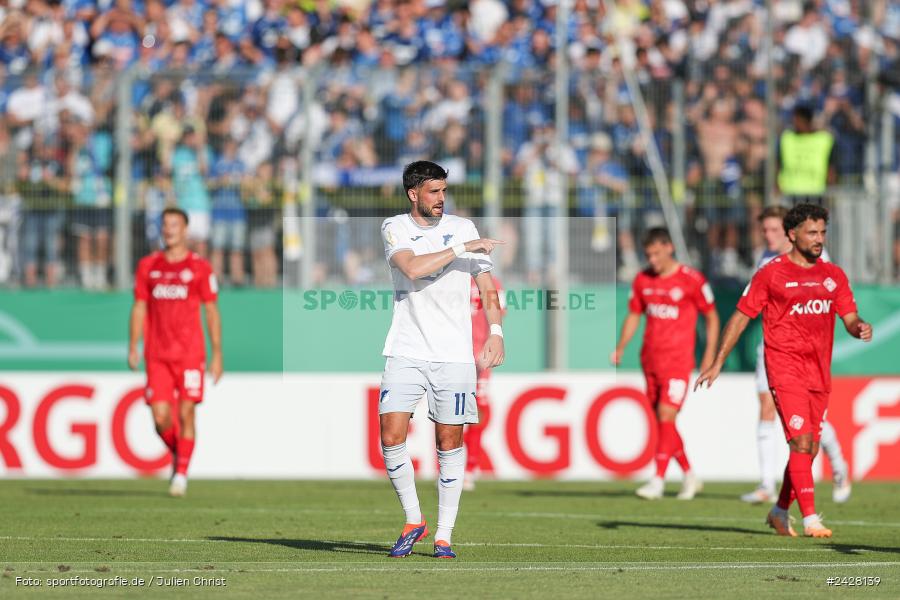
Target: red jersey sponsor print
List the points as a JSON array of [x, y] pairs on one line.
[[671, 305], [173, 292], [481, 330], [799, 306]]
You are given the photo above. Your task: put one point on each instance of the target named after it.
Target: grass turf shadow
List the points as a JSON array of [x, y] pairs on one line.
[[681, 526], [312, 545], [93, 492]]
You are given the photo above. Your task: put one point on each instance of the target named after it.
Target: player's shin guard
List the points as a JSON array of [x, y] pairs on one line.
[[832, 448], [766, 437], [403, 477], [786, 497], [665, 446], [184, 451], [679, 454], [452, 464], [800, 467]]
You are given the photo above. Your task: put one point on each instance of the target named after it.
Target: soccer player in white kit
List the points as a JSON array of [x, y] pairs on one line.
[[777, 243], [433, 257]]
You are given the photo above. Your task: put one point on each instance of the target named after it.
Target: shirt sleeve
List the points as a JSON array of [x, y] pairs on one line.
[[393, 238], [635, 297], [844, 301], [140, 281], [478, 261], [208, 285], [703, 295], [756, 294]]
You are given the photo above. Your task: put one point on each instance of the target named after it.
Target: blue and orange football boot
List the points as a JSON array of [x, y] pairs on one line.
[[412, 533], [442, 550]]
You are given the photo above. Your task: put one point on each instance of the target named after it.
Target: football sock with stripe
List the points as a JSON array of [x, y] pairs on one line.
[[665, 447], [786, 497], [185, 450], [170, 438], [679, 454], [403, 477], [800, 467], [451, 467]]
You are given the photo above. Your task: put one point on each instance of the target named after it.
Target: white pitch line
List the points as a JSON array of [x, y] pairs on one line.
[[518, 568], [467, 544]]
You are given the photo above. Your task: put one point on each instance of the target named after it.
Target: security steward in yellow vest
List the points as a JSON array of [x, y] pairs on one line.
[[805, 160]]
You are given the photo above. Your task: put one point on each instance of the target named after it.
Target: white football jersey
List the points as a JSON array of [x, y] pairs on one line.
[[432, 316]]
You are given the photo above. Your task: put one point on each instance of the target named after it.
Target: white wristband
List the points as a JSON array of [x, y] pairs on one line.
[[496, 330], [459, 249]]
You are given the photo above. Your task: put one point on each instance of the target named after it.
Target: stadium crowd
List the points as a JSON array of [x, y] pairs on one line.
[[218, 119]]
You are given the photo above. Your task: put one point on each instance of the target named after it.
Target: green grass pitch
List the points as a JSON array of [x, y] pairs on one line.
[[273, 539]]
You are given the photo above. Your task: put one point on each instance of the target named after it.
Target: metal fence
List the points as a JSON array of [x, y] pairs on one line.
[[81, 191]]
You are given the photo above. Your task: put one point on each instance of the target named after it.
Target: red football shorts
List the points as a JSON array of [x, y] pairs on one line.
[[669, 389], [801, 411], [168, 381]]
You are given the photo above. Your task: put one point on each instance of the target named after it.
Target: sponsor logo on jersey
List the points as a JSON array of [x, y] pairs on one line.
[[812, 307], [676, 294], [447, 238], [811, 284], [155, 274], [389, 238], [790, 284], [829, 284], [662, 311], [796, 422], [186, 275], [163, 291]]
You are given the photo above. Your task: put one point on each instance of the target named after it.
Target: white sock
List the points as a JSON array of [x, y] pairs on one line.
[[400, 471], [87, 279], [99, 275], [766, 436], [832, 448], [452, 467], [811, 519]]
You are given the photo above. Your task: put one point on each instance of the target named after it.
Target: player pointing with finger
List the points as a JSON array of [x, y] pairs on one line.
[[433, 258], [798, 295]]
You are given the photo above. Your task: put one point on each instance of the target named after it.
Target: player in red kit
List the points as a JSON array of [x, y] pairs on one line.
[[169, 288], [799, 295], [670, 295], [475, 460]]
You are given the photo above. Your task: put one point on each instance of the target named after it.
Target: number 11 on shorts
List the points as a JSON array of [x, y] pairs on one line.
[[460, 403]]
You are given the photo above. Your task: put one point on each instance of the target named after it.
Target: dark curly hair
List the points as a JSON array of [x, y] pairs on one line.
[[417, 173], [800, 213]]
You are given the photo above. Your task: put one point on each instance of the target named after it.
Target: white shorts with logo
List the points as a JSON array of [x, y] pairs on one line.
[[449, 387], [762, 378]]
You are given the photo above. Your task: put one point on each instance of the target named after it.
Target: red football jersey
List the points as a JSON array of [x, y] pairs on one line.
[[173, 292], [799, 307], [481, 330], [671, 305]]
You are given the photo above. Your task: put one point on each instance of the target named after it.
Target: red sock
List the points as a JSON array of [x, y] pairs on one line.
[[472, 440], [679, 454], [185, 449], [786, 497], [170, 438], [665, 446], [800, 466]]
